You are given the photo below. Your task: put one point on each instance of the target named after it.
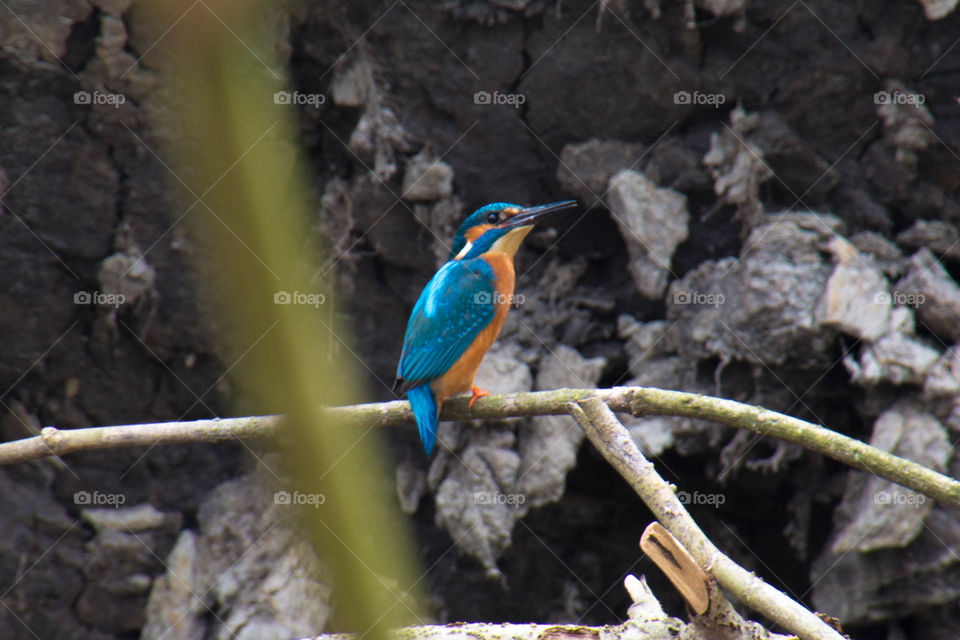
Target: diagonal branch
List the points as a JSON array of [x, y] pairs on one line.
[[613, 441]]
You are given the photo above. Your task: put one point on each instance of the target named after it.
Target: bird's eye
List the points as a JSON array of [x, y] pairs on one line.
[[492, 216]]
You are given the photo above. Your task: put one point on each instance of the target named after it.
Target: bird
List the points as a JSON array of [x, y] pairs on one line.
[[461, 310]]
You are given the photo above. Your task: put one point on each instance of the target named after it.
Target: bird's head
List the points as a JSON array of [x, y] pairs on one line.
[[500, 227], [493, 215]]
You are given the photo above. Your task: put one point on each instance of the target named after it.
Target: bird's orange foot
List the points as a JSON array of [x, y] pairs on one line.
[[477, 394]]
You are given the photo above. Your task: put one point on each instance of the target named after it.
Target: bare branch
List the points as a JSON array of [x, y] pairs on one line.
[[634, 400], [613, 440]]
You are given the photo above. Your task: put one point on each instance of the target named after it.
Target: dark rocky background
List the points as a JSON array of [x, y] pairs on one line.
[[787, 236]]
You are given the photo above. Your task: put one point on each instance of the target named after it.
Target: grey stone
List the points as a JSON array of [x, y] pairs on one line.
[[427, 179], [883, 514], [942, 238], [549, 445], [502, 370], [585, 168], [759, 308], [938, 9], [895, 358], [136, 518], [644, 341], [932, 292], [352, 83], [496, 475], [856, 300], [653, 222], [246, 567]]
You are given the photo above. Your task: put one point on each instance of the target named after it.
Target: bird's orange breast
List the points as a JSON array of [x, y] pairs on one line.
[[459, 377]]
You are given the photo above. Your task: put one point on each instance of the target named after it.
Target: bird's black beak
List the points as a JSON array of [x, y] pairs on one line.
[[530, 215]]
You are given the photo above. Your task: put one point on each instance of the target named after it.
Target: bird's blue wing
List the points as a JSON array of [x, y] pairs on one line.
[[453, 308]]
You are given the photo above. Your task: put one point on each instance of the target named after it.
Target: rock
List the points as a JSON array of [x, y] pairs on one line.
[[886, 254], [656, 434], [722, 8], [883, 514], [427, 179], [116, 594], [653, 222], [40, 31], [856, 300], [110, 47], [477, 499], [943, 378], [411, 485], [938, 9], [126, 277], [175, 607], [548, 446], [882, 585], [645, 341], [738, 166], [906, 120], [675, 165], [932, 292], [942, 238], [585, 168], [245, 567], [495, 477], [376, 139], [503, 370], [895, 358], [352, 83], [760, 308], [139, 518]]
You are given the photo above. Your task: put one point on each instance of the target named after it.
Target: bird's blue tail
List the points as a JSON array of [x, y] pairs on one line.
[[425, 411]]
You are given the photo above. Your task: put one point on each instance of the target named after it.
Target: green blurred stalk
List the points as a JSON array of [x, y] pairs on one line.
[[222, 127]]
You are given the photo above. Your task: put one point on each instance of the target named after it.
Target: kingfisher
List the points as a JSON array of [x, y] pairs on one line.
[[462, 310]]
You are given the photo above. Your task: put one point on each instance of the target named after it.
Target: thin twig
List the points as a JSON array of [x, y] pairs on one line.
[[613, 441]]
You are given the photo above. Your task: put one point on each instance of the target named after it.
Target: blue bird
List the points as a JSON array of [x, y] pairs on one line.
[[462, 310]]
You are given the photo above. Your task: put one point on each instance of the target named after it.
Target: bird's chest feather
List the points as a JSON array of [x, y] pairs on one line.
[[460, 376]]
